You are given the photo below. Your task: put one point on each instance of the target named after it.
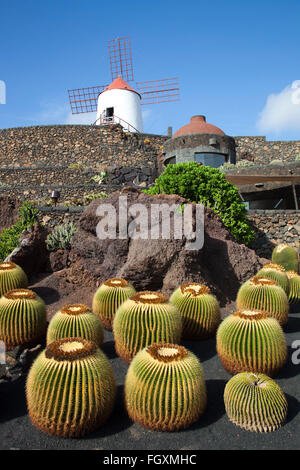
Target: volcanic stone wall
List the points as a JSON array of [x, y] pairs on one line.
[[261, 151]]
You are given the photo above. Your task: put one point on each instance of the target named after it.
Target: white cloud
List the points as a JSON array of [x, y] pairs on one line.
[[54, 113], [281, 111]]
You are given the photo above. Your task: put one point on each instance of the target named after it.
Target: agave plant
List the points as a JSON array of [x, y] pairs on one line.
[[61, 237], [165, 388], [255, 402], [12, 276]]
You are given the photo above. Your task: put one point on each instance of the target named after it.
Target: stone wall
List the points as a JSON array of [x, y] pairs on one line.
[[261, 151]]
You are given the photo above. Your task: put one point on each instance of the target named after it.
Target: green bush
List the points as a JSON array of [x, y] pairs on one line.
[[206, 185], [61, 237], [9, 237]]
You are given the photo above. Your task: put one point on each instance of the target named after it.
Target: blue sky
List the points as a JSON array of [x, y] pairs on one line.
[[237, 61]]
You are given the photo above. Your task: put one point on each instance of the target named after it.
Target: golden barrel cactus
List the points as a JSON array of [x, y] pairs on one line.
[[262, 293], [108, 298], [255, 402], [23, 318], [146, 318], [164, 388], [287, 256], [251, 341], [294, 292], [70, 388], [76, 320], [199, 310], [276, 273], [12, 276]]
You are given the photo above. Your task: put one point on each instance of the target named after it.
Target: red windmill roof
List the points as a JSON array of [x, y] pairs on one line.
[[198, 125], [119, 84]]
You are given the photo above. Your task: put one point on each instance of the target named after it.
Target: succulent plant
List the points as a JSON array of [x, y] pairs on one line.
[[108, 298], [146, 318], [61, 237], [70, 388], [251, 341], [276, 273], [262, 293], [22, 318], [286, 256], [294, 292], [12, 276], [165, 388], [255, 402], [75, 320], [199, 310]]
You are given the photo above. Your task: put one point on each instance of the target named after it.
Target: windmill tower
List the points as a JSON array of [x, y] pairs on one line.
[[118, 102]]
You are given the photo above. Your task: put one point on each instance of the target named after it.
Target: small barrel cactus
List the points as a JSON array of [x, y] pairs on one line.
[[70, 388], [199, 310], [165, 388], [75, 320], [261, 293], [146, 318], [286, 256], [255, 402], [251, 341], [12, 276], [109, 297], [276, 273], [294, 292], [22, 318]]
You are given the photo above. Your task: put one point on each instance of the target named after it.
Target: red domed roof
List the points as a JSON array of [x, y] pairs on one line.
[[119, 84], [198, 125]]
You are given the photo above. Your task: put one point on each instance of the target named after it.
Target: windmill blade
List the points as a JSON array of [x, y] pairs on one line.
[[120, 59], [159, 91], [84, 100]]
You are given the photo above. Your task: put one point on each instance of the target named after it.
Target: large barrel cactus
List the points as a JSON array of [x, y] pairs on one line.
[[199, 310], [255, 402], [276, 273], [251, 341], [146, 318], [12, 276], [110, 295], [75, 320], [262, 293], [22, 318], [286, 256], [294, 292], [70, 388], [165, 388]]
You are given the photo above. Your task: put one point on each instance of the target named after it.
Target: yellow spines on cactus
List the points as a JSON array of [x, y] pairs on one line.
[[294, 292], [22, 318], [199, 310], [12, 276], [146, 318], [287, 256], [262, 293], [255, 402], [70, 388], [75, 320], [276, 273], [165, 388], [110, 295], [251, 341]]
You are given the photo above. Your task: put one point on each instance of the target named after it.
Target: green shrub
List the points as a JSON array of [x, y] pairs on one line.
[[61, 237], [9, 237], [208, 186], [90, 197]]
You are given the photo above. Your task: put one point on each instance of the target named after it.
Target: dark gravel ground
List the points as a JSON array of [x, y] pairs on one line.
[[213, 431]]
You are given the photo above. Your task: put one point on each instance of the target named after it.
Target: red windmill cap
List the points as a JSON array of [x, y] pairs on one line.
[[119, 84], [198, 125]]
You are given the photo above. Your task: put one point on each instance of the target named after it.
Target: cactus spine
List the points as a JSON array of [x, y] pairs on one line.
[[286, 256], [70, 388], [165, 388], [255, 402], [261, 293], [75, 321], [12, 276], [251, 341], [199, 310], [294, 292], [22, 318], [276, 273], [109, 297], [146, 318]]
